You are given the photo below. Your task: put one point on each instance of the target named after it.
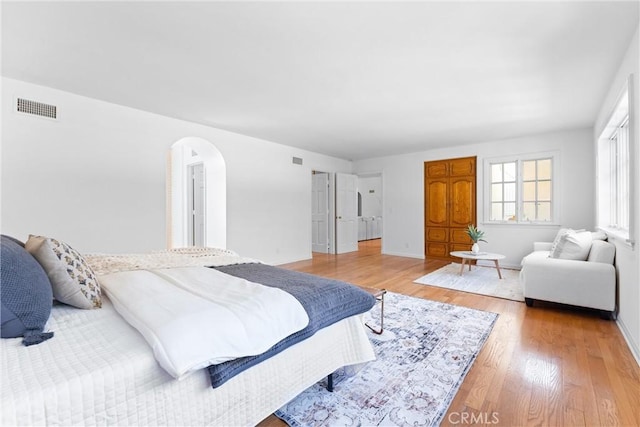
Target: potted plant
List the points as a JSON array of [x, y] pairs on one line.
[[476, 236]]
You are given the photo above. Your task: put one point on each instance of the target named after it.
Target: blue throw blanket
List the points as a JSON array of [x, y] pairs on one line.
[[326, 301]]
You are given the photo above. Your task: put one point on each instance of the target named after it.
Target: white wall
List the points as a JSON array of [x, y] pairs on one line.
[[627, 257], [96, 178], [403, 182]]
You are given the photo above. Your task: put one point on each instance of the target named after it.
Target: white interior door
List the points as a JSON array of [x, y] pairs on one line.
[[196, 205], [346, 213], [320, 213]]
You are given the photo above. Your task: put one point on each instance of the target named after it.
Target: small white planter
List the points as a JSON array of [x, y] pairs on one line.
[[475, 249]]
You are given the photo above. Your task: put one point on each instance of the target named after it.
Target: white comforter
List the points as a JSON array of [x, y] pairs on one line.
[[194, 317]]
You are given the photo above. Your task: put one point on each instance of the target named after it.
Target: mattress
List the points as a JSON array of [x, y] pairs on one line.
[[98, 370]]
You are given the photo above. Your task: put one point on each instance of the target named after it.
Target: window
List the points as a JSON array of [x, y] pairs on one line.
[[619, 164], [521, 190], [614, 171]]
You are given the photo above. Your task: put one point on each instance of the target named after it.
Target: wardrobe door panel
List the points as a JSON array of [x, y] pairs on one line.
[[460, 236], [437, 234], [462, 212], [436, 196], [435, 169], [437, 250], [462, 167]]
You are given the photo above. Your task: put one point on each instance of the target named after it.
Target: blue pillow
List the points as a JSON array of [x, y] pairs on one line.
[[25, 292], [13, 239]]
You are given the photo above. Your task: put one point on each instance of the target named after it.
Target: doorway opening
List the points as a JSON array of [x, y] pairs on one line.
[[196, 195], [196, 206], [370, 218], [346, 212]]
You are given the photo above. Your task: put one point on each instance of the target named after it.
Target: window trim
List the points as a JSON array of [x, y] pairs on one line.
[[519, 158]]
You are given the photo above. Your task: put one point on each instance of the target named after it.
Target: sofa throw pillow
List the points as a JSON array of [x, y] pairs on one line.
[[25, 293], [574, 245], [73, 281], [559, 235]]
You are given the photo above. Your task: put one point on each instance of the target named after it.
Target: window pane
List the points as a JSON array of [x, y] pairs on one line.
[[510, 172], [510, 211], [544, 211], [496, 211], [529, 170], [496, 172], [529, 211], [544, 169], [529, 191], [544, 190], [496, 192], [510, 192]]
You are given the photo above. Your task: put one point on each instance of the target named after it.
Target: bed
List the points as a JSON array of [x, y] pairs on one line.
[[98, 369]]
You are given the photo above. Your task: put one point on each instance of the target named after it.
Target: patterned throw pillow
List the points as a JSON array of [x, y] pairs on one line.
[[72, 279]]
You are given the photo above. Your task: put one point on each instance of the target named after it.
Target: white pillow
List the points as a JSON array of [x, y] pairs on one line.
[[599, 235], [559, 235], [574, 245], [72, 280]]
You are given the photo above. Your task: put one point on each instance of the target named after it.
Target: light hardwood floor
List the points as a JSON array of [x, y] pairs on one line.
[[541, 366]]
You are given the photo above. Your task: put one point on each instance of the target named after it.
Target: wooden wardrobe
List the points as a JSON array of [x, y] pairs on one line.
[[449, 206]]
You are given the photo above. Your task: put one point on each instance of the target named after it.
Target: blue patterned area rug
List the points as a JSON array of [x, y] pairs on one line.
[[422, 357]]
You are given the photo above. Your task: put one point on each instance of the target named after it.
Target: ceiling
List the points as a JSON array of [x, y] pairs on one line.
[[352, 80]]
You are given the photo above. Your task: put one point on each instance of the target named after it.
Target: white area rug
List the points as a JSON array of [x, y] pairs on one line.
[[422, 357], [480, 280]]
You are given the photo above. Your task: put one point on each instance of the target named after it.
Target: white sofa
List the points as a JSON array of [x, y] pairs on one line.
[[547, 275]]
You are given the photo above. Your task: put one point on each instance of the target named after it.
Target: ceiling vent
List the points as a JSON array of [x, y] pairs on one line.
[[36, 108]]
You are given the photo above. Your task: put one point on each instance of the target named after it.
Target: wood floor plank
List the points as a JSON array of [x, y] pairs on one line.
[[545, 365]]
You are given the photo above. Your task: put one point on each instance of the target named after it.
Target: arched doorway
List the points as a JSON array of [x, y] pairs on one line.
[[197, 195]]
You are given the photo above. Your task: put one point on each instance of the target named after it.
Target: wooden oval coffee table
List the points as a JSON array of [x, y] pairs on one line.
[[468, 255]]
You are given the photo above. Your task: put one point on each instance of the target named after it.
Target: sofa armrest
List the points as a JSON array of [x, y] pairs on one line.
[[542, 246], [582, 283]]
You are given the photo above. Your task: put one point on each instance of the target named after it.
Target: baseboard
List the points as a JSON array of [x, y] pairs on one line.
[[403, 254], [635, 351], [289, 260]]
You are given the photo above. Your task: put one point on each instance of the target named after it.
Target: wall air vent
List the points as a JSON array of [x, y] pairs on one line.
[[36, 108], [297, 161]]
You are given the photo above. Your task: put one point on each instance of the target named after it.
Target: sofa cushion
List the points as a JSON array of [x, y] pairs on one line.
[[602, 252], [573, 245]]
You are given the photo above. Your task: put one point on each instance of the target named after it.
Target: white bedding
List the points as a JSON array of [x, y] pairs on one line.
[[98, 370], [193, 317]]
